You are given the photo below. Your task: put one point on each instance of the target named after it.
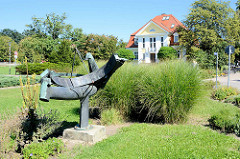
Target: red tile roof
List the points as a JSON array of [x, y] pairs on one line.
[[164, 24]]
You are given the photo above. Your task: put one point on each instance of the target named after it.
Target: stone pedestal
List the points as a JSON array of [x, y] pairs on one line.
[[91, 135]]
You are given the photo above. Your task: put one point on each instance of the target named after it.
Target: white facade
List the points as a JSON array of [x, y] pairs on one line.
[[149, 41]]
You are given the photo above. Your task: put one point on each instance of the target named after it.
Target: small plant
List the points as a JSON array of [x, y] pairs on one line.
[[224, 92], [36, 150], [237, 100], [226, 122], [110, 116], [8, 130]]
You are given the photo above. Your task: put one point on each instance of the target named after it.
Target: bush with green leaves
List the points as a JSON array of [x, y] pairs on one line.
[[162, 92], [166, 52], [50, 147], [226, 121], [125, 53], [224, 92]]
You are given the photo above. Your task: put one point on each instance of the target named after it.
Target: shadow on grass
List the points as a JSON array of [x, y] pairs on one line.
[[94, 112]]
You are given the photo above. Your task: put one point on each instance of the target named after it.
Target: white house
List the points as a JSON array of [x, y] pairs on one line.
[[159, 31]]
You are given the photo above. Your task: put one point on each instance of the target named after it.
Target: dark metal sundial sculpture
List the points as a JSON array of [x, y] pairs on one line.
[[81, 86]]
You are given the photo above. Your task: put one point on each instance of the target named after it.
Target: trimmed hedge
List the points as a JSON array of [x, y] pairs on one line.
[[8, 81], [38, 68]]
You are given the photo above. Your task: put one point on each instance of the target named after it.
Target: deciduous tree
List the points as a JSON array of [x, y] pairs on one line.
[[4, 48]]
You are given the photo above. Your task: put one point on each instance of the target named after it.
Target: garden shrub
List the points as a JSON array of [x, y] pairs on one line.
[[38, 68], [125, 53], [8, 81], [237, 100], [166, 52], [44, 149], [226, 121], [223, 92], [161, 92]]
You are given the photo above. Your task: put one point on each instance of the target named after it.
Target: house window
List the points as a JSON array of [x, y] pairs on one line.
[[143, 42], [136, 55], [175, 38], [143, 56], [135, 41], [152, 44], [161, 41], [172, 25]]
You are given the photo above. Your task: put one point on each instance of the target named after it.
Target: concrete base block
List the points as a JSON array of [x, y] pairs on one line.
[[92, 135]]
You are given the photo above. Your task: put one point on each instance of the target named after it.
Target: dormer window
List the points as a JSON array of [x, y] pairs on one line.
[[166, 18], [135, 41], [172, 25]]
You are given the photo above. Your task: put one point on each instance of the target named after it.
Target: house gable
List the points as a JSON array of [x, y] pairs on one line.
[[151, 28]]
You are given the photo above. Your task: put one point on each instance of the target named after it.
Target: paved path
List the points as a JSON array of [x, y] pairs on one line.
[[234, 80]]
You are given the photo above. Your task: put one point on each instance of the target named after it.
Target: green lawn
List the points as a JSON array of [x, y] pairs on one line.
[[162, 141], [11, 99], [206, 107], [145, 140], [4, 70]]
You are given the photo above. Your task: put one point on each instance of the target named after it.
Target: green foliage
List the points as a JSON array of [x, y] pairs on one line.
[[110, 116], [64, 54], [224, 92], [4, 48], [44, 149], [8, 81], [38, 68], [125, 53], [163, 141], [209, 27], [223, 120], [101, 46], [167, 53], [165, 91], [237, 100], [226, 122], [36, 49], [15, 35], [52, 25]]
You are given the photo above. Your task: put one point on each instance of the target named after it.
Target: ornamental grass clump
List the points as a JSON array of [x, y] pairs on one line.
[[157, 92], [168, 90]]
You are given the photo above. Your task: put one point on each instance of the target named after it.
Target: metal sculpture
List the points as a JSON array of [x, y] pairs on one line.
[[81, 86]]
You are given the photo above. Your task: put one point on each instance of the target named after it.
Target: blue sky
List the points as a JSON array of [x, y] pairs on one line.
[[111, 17]]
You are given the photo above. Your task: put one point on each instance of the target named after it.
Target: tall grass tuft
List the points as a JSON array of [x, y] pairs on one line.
[[168, 90], [165, 92]]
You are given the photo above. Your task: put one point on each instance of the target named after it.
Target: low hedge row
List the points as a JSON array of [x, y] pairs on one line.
[[8, 81], [38, 68]]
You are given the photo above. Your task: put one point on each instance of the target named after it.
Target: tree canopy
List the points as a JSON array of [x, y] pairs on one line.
[[4, 48], [15, 35]]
